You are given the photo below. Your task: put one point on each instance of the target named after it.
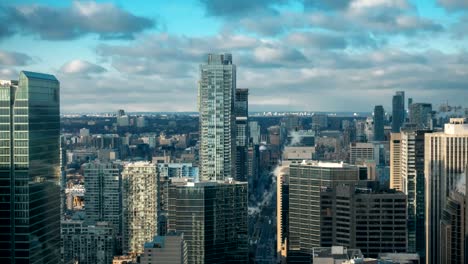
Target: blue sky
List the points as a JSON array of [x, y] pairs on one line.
[[317, 55]]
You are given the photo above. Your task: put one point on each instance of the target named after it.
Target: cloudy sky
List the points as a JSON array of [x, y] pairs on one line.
[[315, 55]]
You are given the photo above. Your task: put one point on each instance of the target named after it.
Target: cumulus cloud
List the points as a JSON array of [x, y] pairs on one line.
[[81, 18], [327, 4], [222, 8], [81, 67], [453, 5], [317, 40], [14, 58]]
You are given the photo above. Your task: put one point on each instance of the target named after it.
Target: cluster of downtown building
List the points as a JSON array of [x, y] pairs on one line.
[[388, 188], [401, 190]]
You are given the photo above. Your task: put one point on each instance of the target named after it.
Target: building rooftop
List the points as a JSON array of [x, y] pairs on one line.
[[322, 164], [337, 252], [457, 126], [37, 75]]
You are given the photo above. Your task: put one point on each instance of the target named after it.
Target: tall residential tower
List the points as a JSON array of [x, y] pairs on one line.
[[216, 95]]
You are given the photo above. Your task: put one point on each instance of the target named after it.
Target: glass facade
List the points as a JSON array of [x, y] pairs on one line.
[[30, 170], [213, 218], [217, 88]]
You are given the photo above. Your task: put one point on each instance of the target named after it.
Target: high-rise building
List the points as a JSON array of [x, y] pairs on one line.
[[445, 159], [216, 95], [361, 152], [30, 169], [398, 111], [361, 217], [413, 185], [168, 249], [306, 180], [87, 244], [213, 218], [254, 132], [454, 227], [395, 161], [140, 204], [242, 133], [103, 200], [282, 209], [379, 115], [319, 121], [420, 114]]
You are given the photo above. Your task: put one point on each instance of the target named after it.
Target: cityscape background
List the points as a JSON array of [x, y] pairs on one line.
[[321, 54], [317, 132]]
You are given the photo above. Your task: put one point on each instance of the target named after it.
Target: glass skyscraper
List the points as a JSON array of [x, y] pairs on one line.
[[398, 111], [379, 114], [213, 218], [216, 95], [30, 169], [242, 133]]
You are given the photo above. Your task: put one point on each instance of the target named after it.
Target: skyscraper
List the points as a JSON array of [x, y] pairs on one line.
[[395, 161], [30, 169], [103, 200], [140, 203], [445, 159], [242, 133], [360, 217], [398, 111], [420, 114], [379, 114], [305, 183], [413, 185], [216, 95], [454, 228], [212, 215]]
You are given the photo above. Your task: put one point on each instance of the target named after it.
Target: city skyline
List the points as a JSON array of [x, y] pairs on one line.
[[319, 54]]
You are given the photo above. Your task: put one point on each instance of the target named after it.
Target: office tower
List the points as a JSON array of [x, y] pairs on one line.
[[420, 114], [213, 218], [30, 169], [395, 161], [305, 182], [413, 185], [445, 159], [254, 131], [369, 128], [361, 131], [398, 111], [242, 133], [141, 122], [298, 153], [361, 152], [454, 228], [87, 244], [103, 201], [140, 200], [319, 121], [379, 115], [168, 249], [292, 123], [282, 209], [217, 92], [368, 218]]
